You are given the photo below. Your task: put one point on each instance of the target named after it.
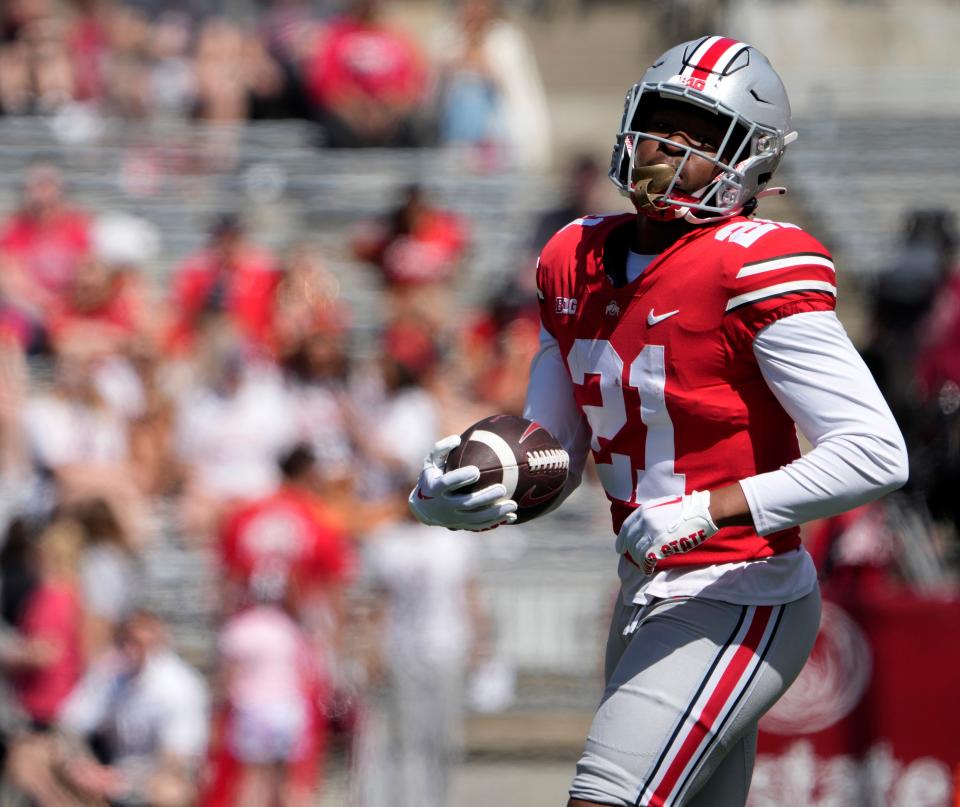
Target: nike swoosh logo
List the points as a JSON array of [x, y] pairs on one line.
[[663, 504], [653, 319]]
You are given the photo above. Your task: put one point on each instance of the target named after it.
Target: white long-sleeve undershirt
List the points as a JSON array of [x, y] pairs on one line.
[[858, 451]]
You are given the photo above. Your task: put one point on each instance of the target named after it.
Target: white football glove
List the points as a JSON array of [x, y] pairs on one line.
[[666, 526], [434, 500]]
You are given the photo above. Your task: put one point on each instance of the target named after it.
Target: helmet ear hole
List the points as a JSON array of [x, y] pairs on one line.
[[763, 179]]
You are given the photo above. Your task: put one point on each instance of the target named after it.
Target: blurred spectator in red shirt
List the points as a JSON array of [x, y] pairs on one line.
[[48, 661], [232, 278], [88, 40], [285, 560], [938, 362], [497, 352], [366, 80], [856, 549], [419, 249], [285, 545], [106, 306], [44, 242]]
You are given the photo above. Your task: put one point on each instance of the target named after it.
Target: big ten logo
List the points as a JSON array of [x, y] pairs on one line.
[[693, 82], [799, 778], [566, 305]]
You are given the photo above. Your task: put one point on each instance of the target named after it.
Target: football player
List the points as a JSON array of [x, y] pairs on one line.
[[681, 345]]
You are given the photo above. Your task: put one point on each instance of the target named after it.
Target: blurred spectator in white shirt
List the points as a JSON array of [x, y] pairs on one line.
[[109, 572], [411, 740], [396, 416], [230, 429], [78, 439], [149, 711]]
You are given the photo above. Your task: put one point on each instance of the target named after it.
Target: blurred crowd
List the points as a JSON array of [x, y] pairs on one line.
[[346, 66], [226, 404]]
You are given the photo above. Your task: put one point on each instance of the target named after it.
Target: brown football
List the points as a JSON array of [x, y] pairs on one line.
[[518, 453]]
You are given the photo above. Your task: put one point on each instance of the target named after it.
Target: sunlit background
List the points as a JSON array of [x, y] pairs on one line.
[[235, 233]]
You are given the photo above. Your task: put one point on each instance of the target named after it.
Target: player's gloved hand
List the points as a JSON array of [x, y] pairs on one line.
[[435, 500], [666, 526]]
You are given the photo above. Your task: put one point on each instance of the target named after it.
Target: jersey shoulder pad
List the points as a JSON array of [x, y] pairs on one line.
[[565, 263], [560, 259], [763, 237], [769, 260]]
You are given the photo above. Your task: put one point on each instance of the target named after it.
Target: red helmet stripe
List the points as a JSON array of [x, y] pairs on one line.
[[710, 60]]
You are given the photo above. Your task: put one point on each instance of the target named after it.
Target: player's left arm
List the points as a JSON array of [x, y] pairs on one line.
[[858, 451], [820, 380], [781, 310], [781, 304]]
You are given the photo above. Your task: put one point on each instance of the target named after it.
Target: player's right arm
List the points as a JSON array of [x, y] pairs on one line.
[[550, 400], [550, 403]]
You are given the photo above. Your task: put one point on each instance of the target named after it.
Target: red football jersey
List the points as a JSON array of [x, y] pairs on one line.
[[663, 367], [284, 539]]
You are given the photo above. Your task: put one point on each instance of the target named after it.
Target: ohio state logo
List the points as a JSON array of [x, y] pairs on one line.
[[831, 684]]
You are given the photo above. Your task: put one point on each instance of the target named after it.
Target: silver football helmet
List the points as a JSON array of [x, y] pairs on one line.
[[727, 78]]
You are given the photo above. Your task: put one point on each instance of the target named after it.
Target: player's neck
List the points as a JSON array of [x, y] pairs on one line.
[[651, 237]]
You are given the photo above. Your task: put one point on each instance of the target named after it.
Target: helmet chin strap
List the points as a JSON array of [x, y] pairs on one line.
[[770, 192], [691, 217]]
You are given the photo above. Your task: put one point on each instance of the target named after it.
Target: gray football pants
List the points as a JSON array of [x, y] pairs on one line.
[[688, 679]]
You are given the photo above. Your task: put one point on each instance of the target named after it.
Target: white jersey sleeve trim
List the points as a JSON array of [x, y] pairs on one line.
[[780, 288], [858, 451], [550, 403], [786, 263]]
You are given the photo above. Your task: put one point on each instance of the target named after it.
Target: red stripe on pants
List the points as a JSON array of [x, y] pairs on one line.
[[726, 686]]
